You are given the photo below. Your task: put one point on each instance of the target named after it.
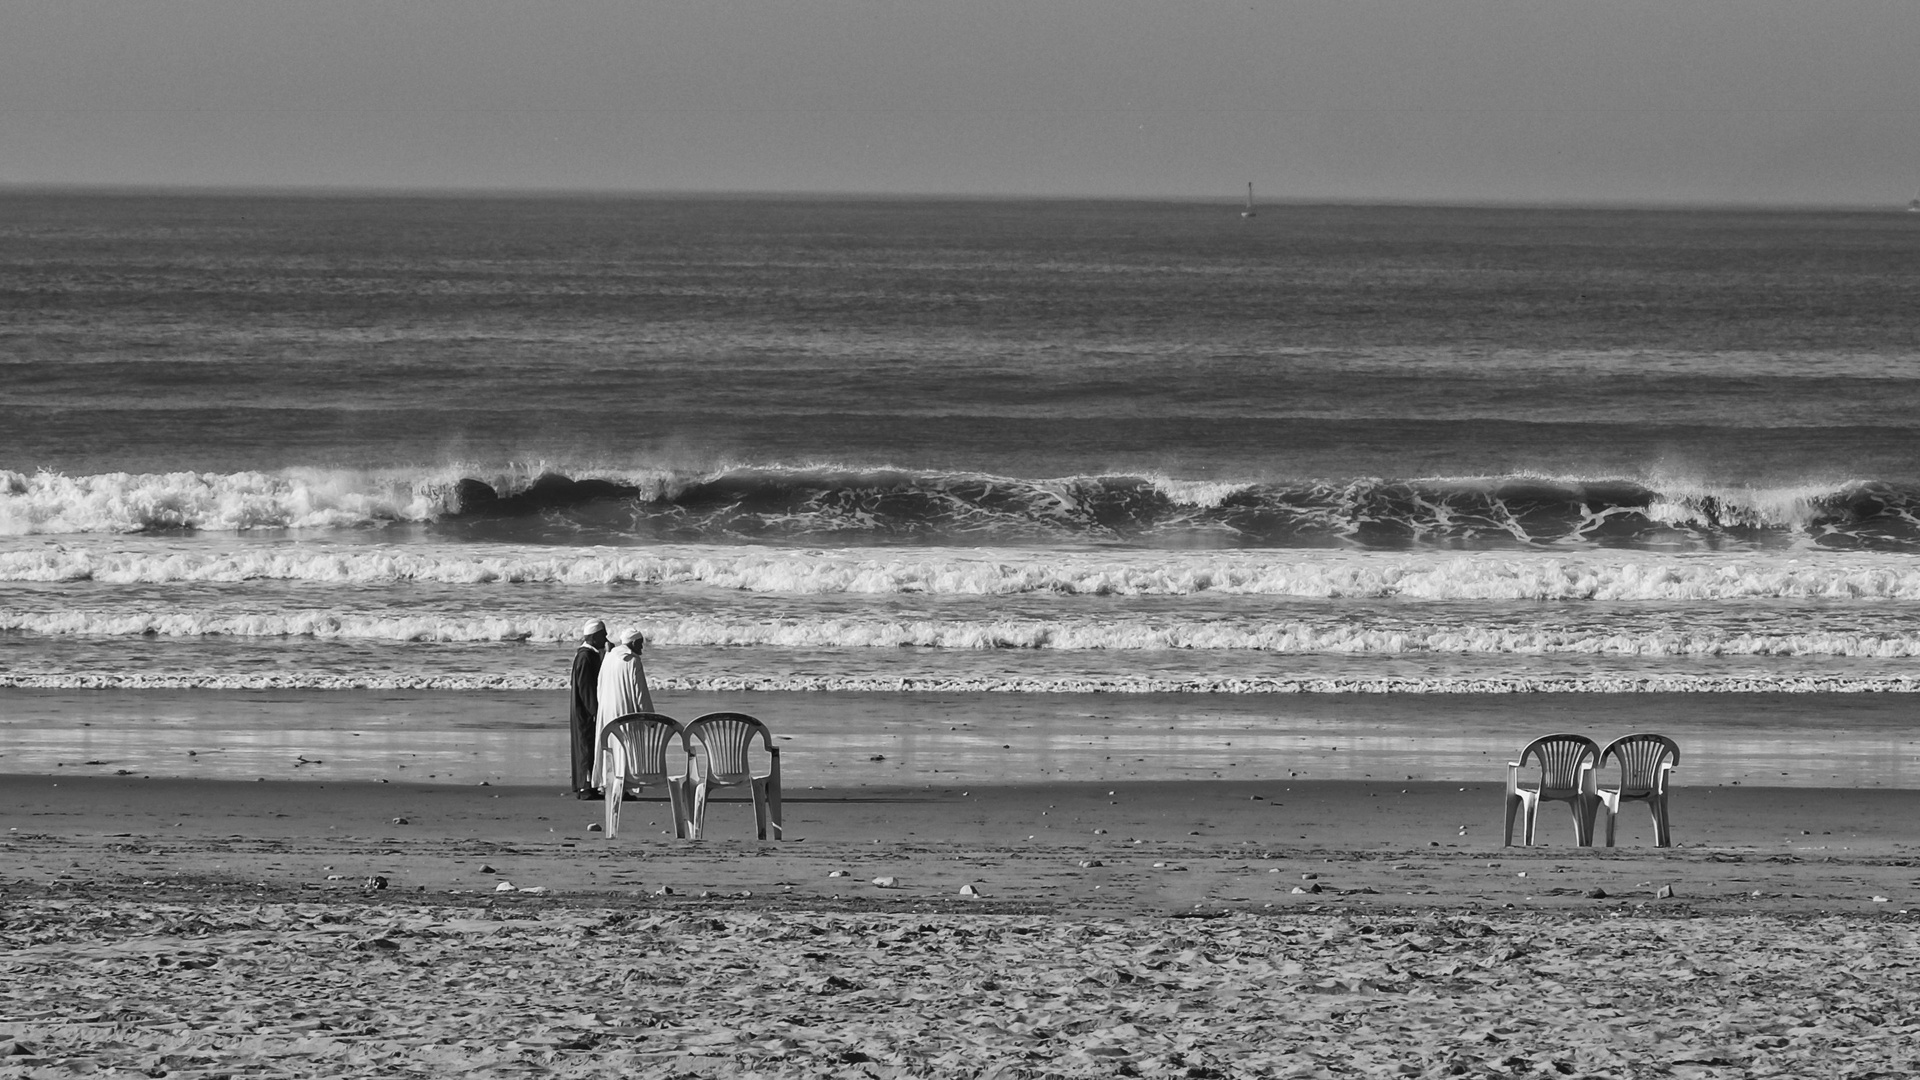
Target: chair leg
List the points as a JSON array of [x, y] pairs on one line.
[[1611, 808], [678, 796], [1662, 827], [1581, 837], [697, 820], [760, 807], [773, 807], [615, 779], [1513, 806]]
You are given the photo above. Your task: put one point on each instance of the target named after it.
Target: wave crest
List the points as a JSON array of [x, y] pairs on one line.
[[51, 503], [1418, 576], [895, 506], [1339, 637]]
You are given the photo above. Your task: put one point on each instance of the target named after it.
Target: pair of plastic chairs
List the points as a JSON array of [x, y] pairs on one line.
[[638, 752], [1568, 767]]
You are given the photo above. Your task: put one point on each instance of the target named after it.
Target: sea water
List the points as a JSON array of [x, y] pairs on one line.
[[874, 446]]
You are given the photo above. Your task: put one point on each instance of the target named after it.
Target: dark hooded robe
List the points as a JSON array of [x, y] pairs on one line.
[[582, 710]]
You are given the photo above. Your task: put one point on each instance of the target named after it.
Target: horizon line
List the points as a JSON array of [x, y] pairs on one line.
[[452, 192]]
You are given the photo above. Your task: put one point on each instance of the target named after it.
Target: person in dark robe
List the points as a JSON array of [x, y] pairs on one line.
[[584, 707]]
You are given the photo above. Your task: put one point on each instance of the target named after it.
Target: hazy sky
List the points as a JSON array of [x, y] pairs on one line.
[[1792, 101]]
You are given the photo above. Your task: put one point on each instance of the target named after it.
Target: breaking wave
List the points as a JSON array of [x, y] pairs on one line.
[[1431, 575], [1341, 636], [844, 505]]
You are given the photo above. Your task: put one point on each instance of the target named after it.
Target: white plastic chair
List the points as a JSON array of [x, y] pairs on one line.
[[638, 750], [1566, 775], [726, 738], [1646, 761]]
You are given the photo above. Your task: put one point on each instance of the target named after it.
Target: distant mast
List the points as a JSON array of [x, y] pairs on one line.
[[1248, 212]]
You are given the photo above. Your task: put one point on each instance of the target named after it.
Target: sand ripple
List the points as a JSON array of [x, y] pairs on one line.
[[268, 989]]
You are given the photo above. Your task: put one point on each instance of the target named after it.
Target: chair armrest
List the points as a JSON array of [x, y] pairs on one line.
[[1513, 777], [1660, 778], [1589, 781]]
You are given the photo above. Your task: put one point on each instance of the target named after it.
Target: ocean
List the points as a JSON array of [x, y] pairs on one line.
[[852, 446]]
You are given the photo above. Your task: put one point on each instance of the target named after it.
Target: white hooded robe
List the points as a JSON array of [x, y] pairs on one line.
[[623, 690]]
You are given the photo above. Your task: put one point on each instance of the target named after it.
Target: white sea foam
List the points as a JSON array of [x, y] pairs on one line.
[[1691, 505], [49, 503], [1203, 493], [1425, 576], [1071, 634], [1623, 684], [52, 503]]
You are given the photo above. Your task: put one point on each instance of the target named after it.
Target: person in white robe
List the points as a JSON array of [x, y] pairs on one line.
[[623, 690]]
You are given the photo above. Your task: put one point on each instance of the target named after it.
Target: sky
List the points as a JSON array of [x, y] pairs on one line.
[[1565, 101]]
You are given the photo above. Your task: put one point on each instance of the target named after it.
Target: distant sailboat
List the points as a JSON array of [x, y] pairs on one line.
[[1248, 212], [1914, 206]]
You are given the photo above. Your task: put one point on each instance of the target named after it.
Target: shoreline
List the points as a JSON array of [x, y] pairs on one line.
[[852, 740], [1428, 687], [1155, 846]]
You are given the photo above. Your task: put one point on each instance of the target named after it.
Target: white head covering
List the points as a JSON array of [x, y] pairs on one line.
[[633, 638], [594, 626]]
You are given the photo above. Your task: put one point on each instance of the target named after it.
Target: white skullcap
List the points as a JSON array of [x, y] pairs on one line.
[[633, 637], [594, 626]]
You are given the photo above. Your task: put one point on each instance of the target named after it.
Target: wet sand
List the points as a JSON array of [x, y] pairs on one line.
[[1159, 847], [905, 739]]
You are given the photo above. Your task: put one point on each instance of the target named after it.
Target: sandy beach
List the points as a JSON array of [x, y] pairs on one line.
[[188, 927]]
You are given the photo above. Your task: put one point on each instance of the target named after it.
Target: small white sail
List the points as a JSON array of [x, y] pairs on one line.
[[1248, 212]]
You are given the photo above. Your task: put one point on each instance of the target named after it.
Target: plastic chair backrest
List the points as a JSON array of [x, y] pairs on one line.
[[646, 737], [1560, 759], [1640, 756], [726, 737]]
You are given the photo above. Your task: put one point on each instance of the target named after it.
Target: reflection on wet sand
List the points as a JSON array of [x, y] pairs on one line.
[[856, 739]]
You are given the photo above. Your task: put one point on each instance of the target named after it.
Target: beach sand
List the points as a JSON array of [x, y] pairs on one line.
[[194, 928]]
